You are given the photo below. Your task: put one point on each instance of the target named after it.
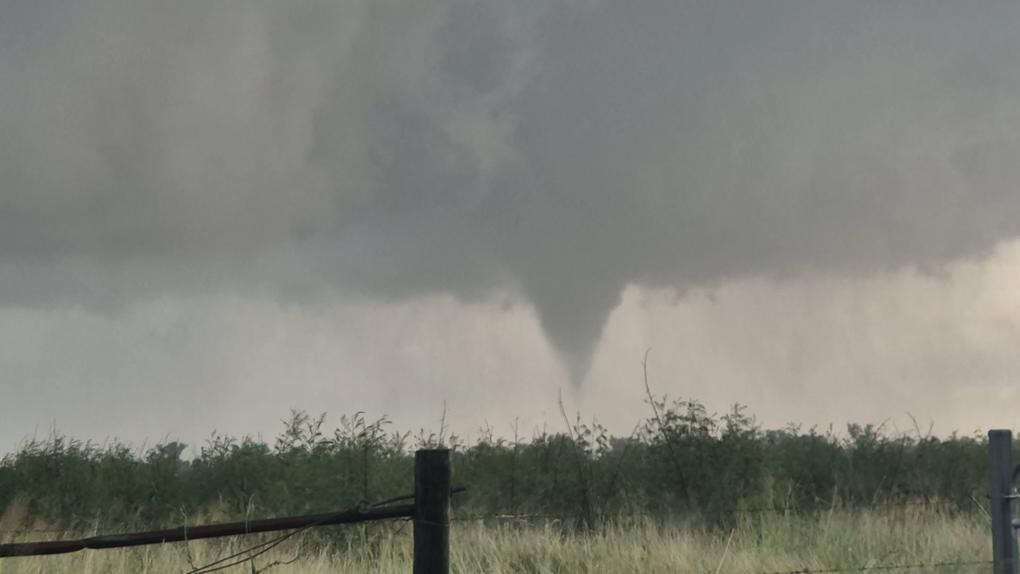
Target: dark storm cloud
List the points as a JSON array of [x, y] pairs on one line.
[[561, 151]]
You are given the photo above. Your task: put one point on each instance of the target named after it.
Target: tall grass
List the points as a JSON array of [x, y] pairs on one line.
[[925, 533]]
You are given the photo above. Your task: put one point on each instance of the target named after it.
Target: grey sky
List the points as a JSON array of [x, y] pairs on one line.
[[350, 186]]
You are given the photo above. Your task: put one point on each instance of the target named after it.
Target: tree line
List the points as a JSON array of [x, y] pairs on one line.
[[681, 463]]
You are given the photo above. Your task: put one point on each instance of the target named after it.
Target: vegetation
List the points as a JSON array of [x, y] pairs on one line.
[[683, 464], [838, 538]]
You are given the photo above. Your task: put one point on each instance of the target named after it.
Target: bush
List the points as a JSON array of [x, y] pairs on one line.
[[682, 462]]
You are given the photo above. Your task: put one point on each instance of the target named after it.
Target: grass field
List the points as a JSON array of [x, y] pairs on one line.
[[760, 542]]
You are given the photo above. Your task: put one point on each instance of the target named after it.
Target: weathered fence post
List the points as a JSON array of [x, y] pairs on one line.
[[432, 511], [1004, 546]]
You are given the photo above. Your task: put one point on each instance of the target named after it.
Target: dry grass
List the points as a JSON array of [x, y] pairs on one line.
[[759, 543]]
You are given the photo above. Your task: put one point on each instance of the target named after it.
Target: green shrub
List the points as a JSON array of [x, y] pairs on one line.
[[682, 462]]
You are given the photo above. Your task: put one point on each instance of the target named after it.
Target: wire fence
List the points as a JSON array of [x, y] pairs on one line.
[[247, 555], [256, 550], [792, 510], [252, 552], [887, 567], [429, 512], [717, 512]]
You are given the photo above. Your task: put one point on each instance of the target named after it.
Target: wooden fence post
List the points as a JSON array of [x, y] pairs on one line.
[[432, 511], [1004, 546]]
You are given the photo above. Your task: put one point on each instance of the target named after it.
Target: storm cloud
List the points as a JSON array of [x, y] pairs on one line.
[[556, 152]]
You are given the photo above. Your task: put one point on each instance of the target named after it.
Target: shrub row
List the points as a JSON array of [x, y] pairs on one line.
[[680, 462]]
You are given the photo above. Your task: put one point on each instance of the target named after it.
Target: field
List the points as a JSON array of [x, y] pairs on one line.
[[925, 533], [688, 491]]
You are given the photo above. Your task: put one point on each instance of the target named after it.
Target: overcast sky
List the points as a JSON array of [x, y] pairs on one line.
[[213, 212]]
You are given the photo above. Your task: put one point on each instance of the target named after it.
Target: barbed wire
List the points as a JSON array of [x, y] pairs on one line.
[[36, 530], [250, 553], [884, 567], [256, 550], [553, 515], [795, 510]]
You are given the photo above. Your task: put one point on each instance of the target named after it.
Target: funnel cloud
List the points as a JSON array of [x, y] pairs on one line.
[[558, 152]]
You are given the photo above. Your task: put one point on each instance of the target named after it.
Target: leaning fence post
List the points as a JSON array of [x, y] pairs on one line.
[[432, 511], [1004, 546]]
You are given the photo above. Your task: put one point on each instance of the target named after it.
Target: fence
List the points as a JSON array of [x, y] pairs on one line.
[[429, 512], [1001, 494]]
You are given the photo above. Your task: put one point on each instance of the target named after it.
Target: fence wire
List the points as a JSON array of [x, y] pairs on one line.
[[796, 510], [885, 567], [248, 554], [710, 512]]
